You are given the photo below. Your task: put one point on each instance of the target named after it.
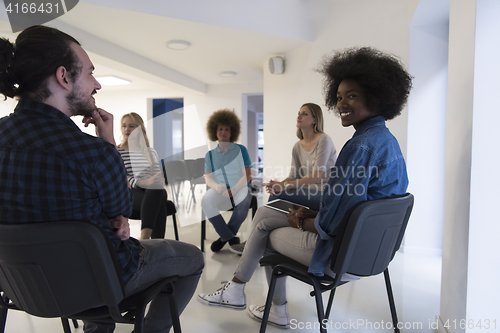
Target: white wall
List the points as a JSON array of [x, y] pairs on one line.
[[427, 125], [7, 106], [217, 97], [118, 103], [458, 161], [381, 24], [470, 230], [471, 266], [483, 270]]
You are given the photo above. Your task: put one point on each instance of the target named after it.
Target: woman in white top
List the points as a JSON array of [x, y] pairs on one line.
[[312, 157], [144, 177]]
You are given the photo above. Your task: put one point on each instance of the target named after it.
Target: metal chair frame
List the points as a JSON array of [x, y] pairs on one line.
[[69, 269], [367, 241]]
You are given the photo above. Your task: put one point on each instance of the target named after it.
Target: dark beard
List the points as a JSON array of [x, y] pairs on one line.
[[78, 106]]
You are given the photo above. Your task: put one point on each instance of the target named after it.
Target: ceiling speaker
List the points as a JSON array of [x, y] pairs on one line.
[[276, 65]]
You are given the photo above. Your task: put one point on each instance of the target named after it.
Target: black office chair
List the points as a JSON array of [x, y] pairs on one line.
[[3, 317], [253, 207], [370, 235], [176, 172], [196, 170], [69, 269]]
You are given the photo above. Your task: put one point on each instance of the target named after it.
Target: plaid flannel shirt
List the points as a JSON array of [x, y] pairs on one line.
[[51, 171]]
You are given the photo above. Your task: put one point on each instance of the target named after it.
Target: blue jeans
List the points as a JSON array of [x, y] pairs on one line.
[[212, 202], [301, 196], [161, 258]]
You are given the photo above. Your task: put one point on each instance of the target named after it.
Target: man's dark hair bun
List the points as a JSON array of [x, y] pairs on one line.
[[7, 78]]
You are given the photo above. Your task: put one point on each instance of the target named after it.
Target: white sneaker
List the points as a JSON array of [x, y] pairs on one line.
[[278, 316], [229, 296]]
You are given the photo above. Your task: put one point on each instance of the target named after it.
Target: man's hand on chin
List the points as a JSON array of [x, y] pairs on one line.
[[103, 122]]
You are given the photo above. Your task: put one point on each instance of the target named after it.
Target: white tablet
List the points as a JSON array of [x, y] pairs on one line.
[[283, 205]]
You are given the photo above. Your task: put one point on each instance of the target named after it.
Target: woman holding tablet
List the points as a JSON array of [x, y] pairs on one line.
[[312, 158], [365, 87]]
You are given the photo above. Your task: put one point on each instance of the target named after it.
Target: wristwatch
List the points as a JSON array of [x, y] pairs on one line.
[[301, 223]]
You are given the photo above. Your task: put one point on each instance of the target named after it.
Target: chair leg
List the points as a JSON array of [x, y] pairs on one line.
[[191, 199], [203, 232], [65, 325], [174, 313], [391, 300], [175, 195], [3, 319], [177, 191], [140, 312], [193, 186], [319, 305], [254, 206], [330, 303], [176, 231], [269, 300]]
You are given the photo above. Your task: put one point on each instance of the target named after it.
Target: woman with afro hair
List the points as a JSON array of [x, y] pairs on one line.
[[227, 173], [365, 87]]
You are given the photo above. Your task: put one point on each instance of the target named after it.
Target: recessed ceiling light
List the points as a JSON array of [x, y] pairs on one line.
[[228, 74], [111, 81], [178, 44]]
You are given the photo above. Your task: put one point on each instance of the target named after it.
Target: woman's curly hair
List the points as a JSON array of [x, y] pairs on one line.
[[223, 117], [385, 83]]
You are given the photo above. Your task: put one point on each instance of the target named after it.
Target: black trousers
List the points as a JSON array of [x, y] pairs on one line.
[[151, 206]]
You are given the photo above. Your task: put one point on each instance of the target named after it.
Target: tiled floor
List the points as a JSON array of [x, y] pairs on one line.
[[360, 306]]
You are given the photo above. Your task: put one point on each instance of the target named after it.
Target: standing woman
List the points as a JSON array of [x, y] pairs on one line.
[[312, 157], [144, 176], [227, 173]]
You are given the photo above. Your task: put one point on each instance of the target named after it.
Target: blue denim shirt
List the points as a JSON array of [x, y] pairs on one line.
[[370, 166], [228, 165]]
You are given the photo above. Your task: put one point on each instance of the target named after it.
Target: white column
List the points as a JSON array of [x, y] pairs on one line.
[[471, 268], [458, 162], [427, 126], [483, 271]]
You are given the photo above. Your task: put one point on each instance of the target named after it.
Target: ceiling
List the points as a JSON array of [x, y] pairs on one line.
[[127, 38]]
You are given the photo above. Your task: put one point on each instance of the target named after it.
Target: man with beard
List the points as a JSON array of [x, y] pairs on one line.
[[51, 171]]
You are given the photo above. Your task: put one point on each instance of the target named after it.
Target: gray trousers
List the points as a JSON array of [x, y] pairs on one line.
[[272, 234], [213, 201], [161, 258]]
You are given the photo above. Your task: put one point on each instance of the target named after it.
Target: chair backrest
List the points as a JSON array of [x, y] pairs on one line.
[[189, 166], [54, 269], [199, 167], [176, 171], [371, 235], [196, 168]]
